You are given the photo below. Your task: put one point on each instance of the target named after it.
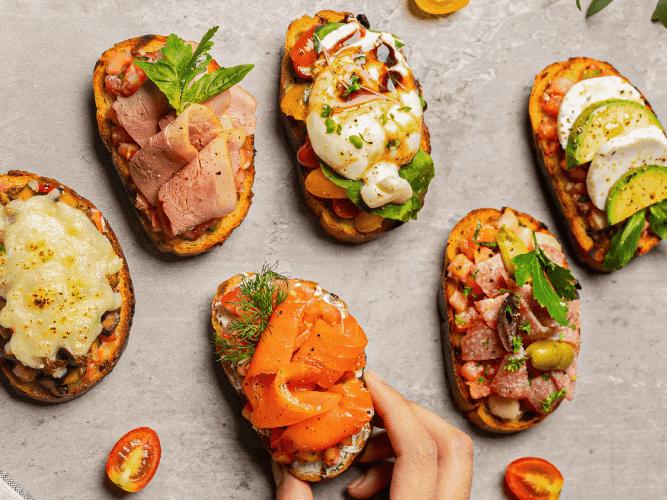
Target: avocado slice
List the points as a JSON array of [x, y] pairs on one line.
[[602, 121], [636, 190]]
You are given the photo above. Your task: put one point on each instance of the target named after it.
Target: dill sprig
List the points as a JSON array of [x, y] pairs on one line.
[[260, 294]]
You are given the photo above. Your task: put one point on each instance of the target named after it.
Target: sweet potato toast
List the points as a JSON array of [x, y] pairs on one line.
[[291, 444], [218, 230], [587, 226], [474, 299], [348, 227], [69, 375]]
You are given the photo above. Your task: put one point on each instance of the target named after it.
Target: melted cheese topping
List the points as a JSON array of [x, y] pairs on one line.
[[54, 278]]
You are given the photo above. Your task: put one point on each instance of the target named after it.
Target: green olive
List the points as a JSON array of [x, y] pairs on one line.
[[510, 246], [550, 354]]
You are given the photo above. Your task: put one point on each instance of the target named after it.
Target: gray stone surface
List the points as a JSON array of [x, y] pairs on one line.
[[476, 69]]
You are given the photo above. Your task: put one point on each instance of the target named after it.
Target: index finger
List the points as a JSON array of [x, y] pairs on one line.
[[415, 472]]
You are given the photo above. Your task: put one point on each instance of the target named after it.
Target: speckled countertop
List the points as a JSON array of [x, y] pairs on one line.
[[476, 68]]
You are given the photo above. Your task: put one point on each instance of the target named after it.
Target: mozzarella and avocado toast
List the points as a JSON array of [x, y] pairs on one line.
[[352, 111], [67, 297], [510, 338], [295, 356], [605, 154]]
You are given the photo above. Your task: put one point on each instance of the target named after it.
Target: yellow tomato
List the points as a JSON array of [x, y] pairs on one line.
[[441, 6]]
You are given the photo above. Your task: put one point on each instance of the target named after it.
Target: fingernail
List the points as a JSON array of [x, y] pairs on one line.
[[375, 377], [356, 482], [278, 473]]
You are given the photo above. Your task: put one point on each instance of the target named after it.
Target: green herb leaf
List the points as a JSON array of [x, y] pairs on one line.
[[488, 244], [398, 42], [466, 291], [477, 228], [624, 243], [525, 327], [546, 376], [404, 108], [331, 125], [3, 251], [260, 295], [549, 293], [321, 32], [657, 216], [355, 84], [326, 112], [513, 364], [356, 141], [481, 380], [578, 4], [418, 172], [384, 119], [548, 402], [392, 144], [584, 198], [422, 101], [517, 344], [660, 13], [596, 6], [174, 74], [458, 320]]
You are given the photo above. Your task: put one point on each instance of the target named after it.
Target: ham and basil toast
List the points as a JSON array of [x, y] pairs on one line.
[[510, 360], [604, 155], [352, 113], [188, 171], [295, 356], [67, 297]]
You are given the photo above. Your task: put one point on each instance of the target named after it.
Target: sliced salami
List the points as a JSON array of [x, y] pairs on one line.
[[480, 343]]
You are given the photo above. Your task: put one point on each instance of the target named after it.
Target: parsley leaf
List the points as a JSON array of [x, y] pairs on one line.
[[466, 291], [517, 344], [513, 364], [549, 401], [525, 327], [175, 74], [624, 243], [552, 292], [459, 320]]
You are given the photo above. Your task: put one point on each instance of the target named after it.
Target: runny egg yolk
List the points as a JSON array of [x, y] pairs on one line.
[[364, 113]]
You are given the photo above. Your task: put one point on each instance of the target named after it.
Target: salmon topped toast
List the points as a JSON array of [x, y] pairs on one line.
[[180, 131], [295, 355], [511, 326], [67, 298]]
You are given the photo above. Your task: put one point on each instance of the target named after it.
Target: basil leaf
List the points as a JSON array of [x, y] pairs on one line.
[[546, 296], [165, 76], [624, 243], [418, 172], [596, 6], [211, 84], [322, 31], [660, 13], [578, 4], [657, 217]]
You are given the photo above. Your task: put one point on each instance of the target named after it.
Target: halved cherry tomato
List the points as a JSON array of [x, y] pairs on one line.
[[533, 478], [306, 155], [345, 208], [134, 459], [303, 54]]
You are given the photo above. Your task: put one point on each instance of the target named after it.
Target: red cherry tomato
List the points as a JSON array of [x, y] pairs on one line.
[[306, 155], [303, 54], [533, 478], [345, 208], [133, 461]]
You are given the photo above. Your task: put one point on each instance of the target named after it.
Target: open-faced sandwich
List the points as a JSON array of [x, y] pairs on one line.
[[352, 111], [66, 295], [605, 157], [180, 132], [295, 355], [511, 328]]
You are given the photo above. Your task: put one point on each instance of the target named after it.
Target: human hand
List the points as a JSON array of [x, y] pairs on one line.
[[433, 458]]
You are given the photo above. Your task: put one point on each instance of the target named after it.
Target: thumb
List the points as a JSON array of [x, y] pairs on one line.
[[289, 487]]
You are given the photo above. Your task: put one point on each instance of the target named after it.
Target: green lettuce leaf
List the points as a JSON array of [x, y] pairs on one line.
[[418, 172], [624, 243]]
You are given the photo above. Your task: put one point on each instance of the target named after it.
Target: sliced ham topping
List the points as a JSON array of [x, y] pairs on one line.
[[491, 275], [481, 342], [241, 109], [140, 113], [540, 390], [219, 103], [565, 379], [489, 308], [512, 384], [172, 149], [204, 189]]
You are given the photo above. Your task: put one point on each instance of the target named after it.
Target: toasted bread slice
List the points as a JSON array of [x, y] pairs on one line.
[[210, 238], [342, 229], [476, 410], [106, 350], [311, 471], [591, 244]]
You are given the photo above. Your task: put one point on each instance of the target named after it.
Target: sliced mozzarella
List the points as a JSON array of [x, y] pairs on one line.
[[383, 185], [645, 146], [587, 92]]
